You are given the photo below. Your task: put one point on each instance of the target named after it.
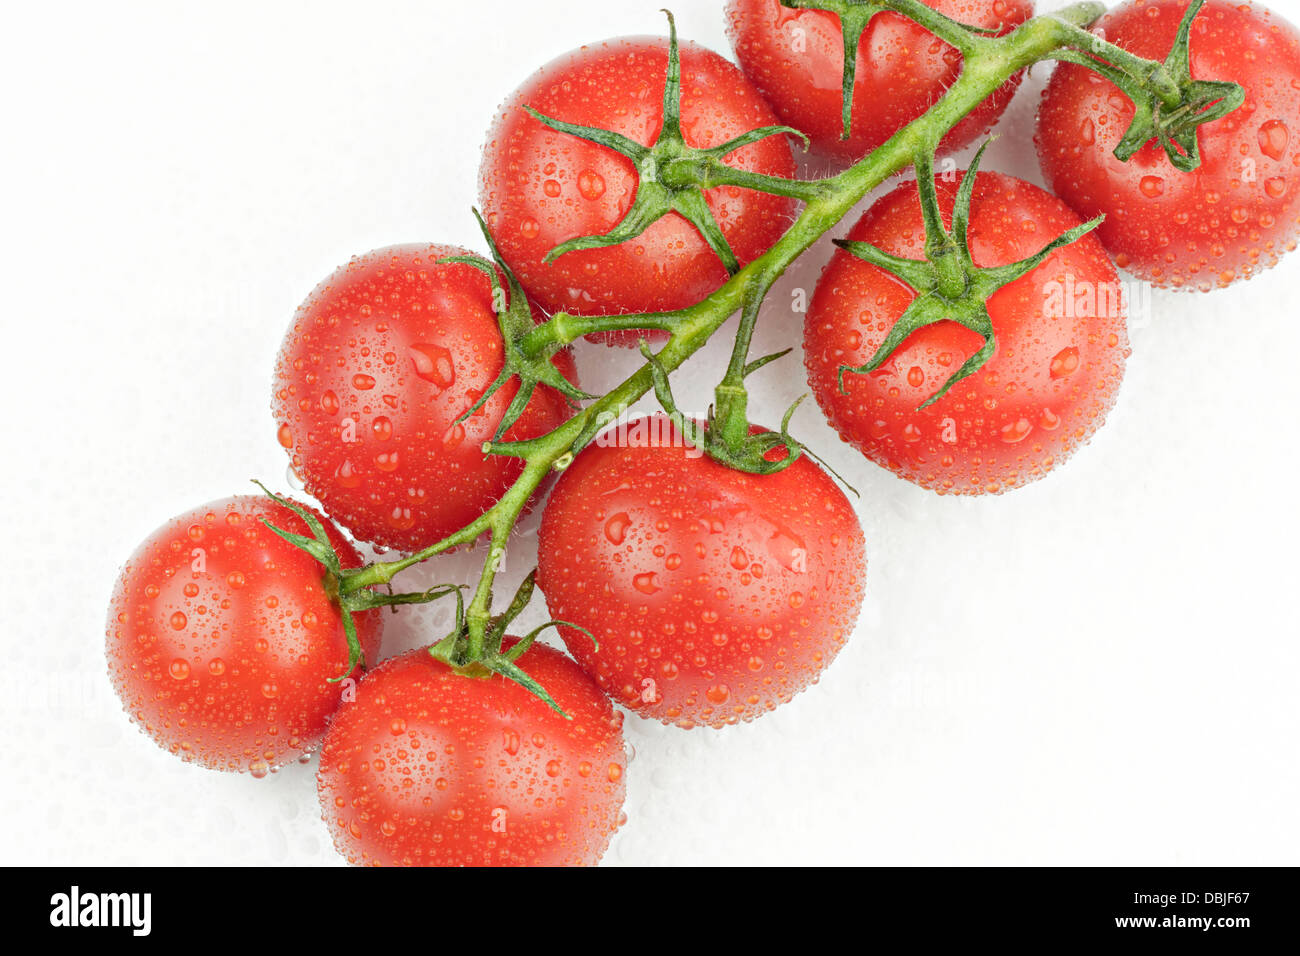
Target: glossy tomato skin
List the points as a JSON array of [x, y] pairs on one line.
[[429, 768], [1230, 218], [1061, 346], [380, 361], [714, 595], [539, 188], [796, 59], [222, 640]]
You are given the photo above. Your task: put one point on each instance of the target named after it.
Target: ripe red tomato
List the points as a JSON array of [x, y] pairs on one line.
[[429, 768], [222, 640], [715, 595], [1061, 345], [1236, 214], [380, 361], [539, 187], [796, 59]]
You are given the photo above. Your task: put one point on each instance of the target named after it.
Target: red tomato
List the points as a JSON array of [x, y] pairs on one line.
[[1236, 214], [539, 188], [222, 640], [429, 768], [380, 361], [796, 59], [1061, 345], [715, 595]]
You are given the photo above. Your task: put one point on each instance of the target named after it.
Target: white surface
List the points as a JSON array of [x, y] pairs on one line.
[[1099, 668]]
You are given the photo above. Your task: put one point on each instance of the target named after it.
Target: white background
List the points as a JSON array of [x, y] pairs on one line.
[[1099, 668]]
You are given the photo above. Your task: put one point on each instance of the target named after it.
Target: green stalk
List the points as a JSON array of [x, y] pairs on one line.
[[989, 62]]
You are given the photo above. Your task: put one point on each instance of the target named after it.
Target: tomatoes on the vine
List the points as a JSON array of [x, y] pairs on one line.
[[540, 187], [430, 768], [796, 59], [713, 595], [1240, 210], [381, 360], [222, 639], [1061, 345]]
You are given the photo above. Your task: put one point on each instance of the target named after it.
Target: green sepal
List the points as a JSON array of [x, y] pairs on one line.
[[672, 176], [516, 321], [949, 286], [1168, 105]]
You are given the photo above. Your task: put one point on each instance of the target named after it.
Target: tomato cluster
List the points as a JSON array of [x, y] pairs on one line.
[[969, 335]]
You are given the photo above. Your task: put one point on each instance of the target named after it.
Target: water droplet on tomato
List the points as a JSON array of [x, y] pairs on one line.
[[915, 377], [1016, 431], [363, 382], [1151, 186], [178, 669], [529, 228], [591, 184], [284, 436], [739, 559], [386, 461], [551, 187], [329, 402], [178, 621], [1064, 362], [1087, 133], [645, 583], [433, 364], [1273, 137], [616, 527], [346, 475], [1275, 187], [718, 693], [383, 428]]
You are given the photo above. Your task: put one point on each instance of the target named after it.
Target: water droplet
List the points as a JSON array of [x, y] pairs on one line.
[[551, 188], [591, 184], [915, 377], [718, 693], [1016, 431], [347, 475], [645, 583], [284, 436], [1275, 187], [1087, 133], [1273, 137], [178, 621], [363, 382], [179, 669], [1064, 362], [739, 559], [529, 229], [433, 364], [1151, 186], [383, 428], [329, 403], [616, 527]]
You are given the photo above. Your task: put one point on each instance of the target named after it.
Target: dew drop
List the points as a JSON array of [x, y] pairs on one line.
[[433, 364], [616, 527]]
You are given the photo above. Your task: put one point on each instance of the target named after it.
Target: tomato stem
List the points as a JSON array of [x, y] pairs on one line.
[[989, 61]]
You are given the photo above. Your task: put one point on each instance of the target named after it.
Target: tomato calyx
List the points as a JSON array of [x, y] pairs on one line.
[[730, 441], [1168, 104], [949, 286], [515, 319], [672, 176], [340, 584], [483, 659], [855, 15]]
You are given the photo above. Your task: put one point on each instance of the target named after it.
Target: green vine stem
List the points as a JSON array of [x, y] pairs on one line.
[[988, 62]]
